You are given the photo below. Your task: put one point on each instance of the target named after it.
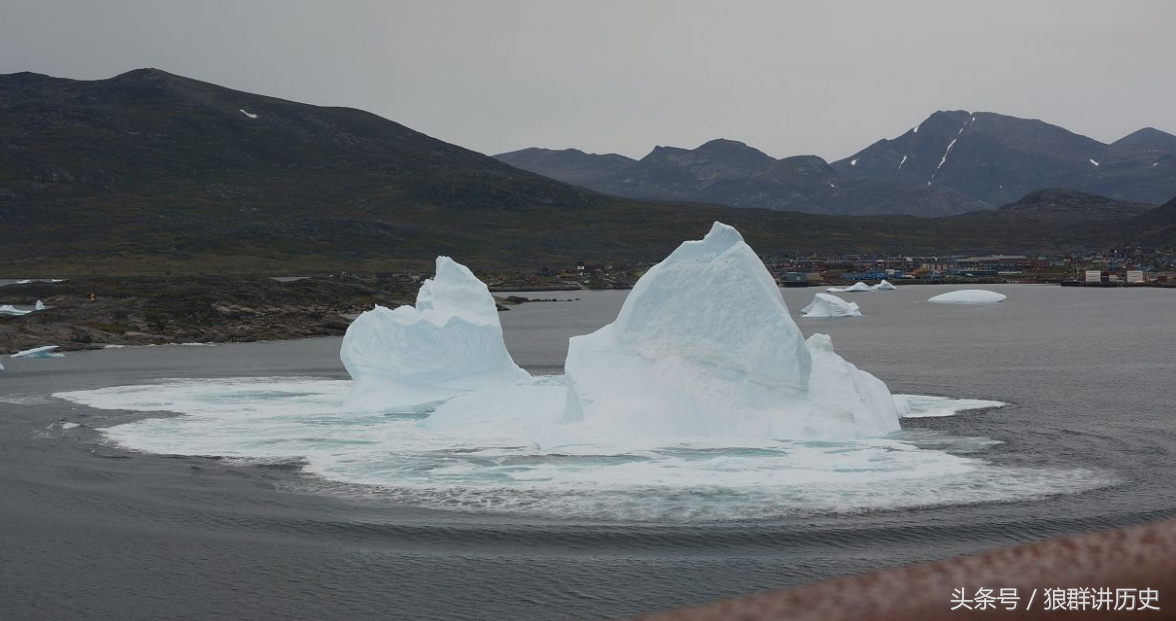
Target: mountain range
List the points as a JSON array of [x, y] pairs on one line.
[[953, 162], [149, 172]]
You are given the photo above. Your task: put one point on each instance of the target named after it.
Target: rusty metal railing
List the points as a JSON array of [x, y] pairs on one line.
[[1128, 572]]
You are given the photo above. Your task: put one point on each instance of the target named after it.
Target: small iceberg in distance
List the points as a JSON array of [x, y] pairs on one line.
[[828, 305], [412, 357], [884, 286], [38, 352], [969, 296], [8, 309], [855, 288]]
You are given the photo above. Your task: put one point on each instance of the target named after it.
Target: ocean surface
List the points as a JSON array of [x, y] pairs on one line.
[[1082, 442]]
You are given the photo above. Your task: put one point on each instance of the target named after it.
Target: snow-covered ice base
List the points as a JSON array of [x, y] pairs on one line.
[[417, 460]]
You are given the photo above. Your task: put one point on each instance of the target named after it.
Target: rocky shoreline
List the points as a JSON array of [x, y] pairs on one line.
[[90, 313]]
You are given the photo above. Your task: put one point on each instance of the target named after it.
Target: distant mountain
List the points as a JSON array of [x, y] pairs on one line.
[[1148, 138], [568, 165], [1139, 167], [727, 172], [998, 159]]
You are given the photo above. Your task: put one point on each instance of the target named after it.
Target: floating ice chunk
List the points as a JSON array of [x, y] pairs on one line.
[[38, 352], [8, 309], [855, 288], [450, 343], [704, 347], [969, 296], [40, 306], [248, 114], [68, 426], [826, 305], [884, 286], [926, 406]]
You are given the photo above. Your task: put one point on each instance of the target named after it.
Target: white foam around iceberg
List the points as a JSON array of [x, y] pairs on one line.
[[969, 296], [828, 305], [704, 347], [855, 288], [411, 357], [292, 419]]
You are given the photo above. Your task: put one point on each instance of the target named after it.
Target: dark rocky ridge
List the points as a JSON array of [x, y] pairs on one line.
[[191, 309]]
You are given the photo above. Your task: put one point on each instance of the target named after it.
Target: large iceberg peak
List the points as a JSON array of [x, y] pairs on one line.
[[702, 342], [713, 301], [449, 343]]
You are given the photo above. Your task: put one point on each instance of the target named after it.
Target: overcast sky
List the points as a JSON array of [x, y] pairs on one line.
[[622, 76]]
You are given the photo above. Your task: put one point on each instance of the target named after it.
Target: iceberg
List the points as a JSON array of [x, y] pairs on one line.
[[855, 288], [38, 352], [411, 358], [704, 347], [8, 309], [828, 305], [969, 296], [883, 286]]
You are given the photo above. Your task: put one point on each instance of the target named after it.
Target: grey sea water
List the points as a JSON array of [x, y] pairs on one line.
[[1087, 374]]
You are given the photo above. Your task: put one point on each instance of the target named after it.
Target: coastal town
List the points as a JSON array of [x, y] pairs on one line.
[[1113, 267]]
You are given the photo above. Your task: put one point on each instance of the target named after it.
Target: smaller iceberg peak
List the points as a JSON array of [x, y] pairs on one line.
[[454, 291], [884, 286], [410, 357]]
